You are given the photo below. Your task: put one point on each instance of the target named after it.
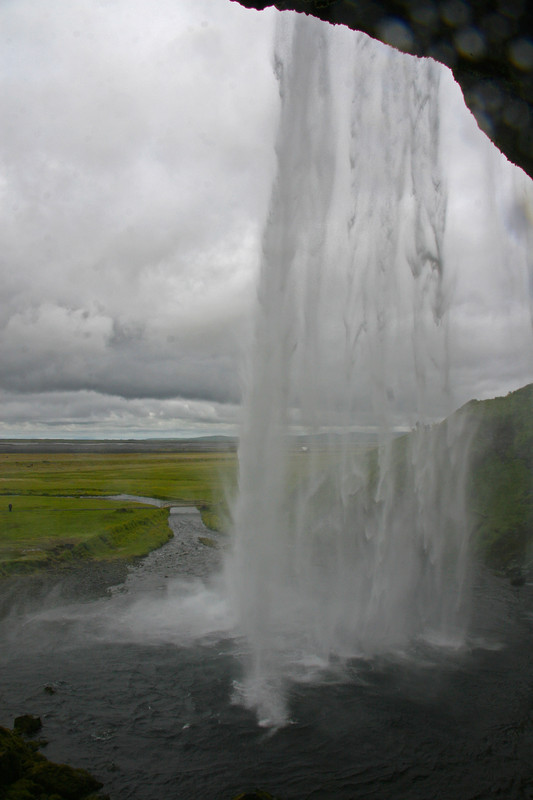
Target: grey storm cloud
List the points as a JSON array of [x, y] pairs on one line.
[[134, 176], [81, 413], [53, 348], [136, 160]]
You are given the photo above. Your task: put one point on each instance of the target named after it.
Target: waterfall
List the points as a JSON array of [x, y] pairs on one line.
[[343, 550]]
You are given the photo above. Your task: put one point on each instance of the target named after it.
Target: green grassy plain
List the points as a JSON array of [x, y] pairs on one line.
[[60, 515], [187, 478]]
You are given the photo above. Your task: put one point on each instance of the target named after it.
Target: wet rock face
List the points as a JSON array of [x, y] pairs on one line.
[[488, 45]]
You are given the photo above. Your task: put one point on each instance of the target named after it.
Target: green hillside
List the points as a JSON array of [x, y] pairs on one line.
[[501, 478]]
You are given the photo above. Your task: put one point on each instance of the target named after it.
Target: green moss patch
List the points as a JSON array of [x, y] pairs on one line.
[[26, 774]]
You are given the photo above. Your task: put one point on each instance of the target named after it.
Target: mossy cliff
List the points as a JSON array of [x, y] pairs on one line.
[[501, 482], [498, 472]]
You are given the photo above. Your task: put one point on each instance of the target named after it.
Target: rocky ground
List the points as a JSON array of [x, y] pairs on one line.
[[25, 593], [193, 550]]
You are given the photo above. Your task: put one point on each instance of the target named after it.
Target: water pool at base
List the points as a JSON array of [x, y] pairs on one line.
[[145, 685]]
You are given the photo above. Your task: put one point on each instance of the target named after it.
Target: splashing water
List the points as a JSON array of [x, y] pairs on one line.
[[343, 550]]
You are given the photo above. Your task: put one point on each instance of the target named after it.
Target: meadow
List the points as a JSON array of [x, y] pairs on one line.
[[60, 514]]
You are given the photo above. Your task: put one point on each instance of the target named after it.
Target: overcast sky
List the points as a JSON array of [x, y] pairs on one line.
[[136, 158]]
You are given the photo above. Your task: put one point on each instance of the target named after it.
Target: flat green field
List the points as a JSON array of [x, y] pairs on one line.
[[60, 515], [177, 477]]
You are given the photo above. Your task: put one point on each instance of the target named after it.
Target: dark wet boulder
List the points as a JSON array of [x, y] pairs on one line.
[[517, 576], [27, 725]]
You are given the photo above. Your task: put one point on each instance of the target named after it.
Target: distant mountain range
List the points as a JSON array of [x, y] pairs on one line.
[[200, 444]]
